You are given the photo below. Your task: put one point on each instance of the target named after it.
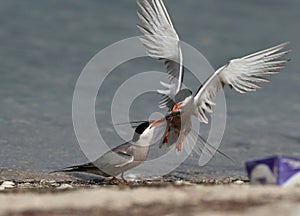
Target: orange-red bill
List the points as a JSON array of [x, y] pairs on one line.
[[155, 123], [176, 106]]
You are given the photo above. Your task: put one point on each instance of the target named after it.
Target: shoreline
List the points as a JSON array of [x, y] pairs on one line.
[[30, 180], [38, 193]]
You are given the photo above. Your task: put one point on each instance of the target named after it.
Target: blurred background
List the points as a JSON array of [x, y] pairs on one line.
[[46, 44]]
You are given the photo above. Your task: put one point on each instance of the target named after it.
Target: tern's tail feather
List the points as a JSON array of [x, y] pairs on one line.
[[202, 145]]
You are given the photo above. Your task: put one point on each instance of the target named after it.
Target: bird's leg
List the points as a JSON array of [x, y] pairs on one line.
[[117, 182], [166, 136], [125, 181], [179, 146]]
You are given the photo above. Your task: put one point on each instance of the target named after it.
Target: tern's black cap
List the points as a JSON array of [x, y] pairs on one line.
[[139, 130], [182, 94]]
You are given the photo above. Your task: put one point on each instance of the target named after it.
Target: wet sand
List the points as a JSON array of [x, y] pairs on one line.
[[37, 193]]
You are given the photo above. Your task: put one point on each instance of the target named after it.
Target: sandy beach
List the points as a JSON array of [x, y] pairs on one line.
[[37, 193]]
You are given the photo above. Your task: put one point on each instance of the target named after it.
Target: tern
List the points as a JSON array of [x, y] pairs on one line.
[[241, 74], [121, 158]]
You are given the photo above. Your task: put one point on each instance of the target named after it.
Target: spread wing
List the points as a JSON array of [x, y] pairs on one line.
[[242, 75], [162, 43]]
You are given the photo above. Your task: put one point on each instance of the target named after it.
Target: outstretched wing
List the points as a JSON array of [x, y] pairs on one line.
[[162, 43], [242, 75]]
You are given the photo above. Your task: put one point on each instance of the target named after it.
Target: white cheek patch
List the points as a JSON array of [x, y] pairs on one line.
[[146, 137]]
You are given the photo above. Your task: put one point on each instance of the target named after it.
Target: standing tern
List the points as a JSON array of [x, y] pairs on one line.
[[121, 158], [241, 74]]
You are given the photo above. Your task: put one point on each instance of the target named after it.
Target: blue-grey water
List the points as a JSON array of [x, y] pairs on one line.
[[46, 44]]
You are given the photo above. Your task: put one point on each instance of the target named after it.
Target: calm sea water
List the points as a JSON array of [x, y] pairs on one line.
[[46, 44]]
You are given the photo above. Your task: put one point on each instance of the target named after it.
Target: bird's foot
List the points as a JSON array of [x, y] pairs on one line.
[[179, 146], [165, 139], [125, 181], [166, 136], [116, 181]]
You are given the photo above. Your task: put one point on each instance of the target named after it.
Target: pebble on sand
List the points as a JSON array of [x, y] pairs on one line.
[[239, 182], [7, 185], [64, 186]]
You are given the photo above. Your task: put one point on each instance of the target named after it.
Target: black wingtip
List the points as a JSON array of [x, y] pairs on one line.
[[78, 168], [67, 169], [55, 171]]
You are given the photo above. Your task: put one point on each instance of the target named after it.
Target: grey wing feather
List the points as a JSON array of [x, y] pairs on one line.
[[117, 157], [162, 42], [242, 74]]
